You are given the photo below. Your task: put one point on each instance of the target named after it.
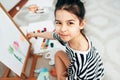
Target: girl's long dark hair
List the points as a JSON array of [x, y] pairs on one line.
[[75, 7]]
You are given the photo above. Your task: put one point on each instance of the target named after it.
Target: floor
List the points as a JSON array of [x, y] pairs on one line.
[[103, 28]]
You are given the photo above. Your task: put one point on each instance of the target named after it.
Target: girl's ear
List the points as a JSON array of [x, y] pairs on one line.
[[82, 24]]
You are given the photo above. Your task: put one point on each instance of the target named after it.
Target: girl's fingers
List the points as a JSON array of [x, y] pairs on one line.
[[29, 36]]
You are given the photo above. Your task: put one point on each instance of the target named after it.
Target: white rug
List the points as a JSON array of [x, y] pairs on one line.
[[103, 27]]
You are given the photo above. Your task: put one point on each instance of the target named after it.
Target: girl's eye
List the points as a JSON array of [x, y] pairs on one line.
[[70, 23], [57, 22]]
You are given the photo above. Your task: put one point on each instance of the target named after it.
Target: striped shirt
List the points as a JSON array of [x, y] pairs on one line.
[[84, 65]]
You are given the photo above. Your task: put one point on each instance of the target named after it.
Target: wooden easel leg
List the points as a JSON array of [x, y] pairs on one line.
[[6, 76], [24, 76], [35, 57], [34, 61], [6, 73]]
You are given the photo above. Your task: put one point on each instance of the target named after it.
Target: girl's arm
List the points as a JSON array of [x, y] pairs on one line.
[[48, 35]]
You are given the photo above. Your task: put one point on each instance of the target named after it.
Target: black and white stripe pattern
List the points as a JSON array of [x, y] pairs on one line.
[[83, 66]]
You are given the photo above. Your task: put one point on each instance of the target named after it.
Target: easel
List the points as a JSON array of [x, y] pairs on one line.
[[22, 74]]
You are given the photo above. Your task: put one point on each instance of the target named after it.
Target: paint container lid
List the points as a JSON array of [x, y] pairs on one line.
[[45, 29], [51, 45], [38, 31]]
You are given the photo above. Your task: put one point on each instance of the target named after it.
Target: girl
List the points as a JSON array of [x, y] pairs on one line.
[[81, 60]]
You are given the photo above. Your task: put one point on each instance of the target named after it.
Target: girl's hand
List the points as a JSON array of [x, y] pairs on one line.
[[30, 35]]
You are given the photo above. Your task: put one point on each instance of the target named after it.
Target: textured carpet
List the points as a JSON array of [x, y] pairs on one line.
[[103, 27]]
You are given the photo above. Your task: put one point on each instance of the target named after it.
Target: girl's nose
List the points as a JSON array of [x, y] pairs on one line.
[[64, 28]]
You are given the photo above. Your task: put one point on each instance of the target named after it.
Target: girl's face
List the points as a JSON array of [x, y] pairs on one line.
[[67, 25]]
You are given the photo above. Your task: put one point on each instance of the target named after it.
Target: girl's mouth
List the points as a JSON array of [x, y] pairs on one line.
[[63, 35]]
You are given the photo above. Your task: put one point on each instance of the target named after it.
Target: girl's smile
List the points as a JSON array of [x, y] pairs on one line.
[[63, 36], [67, 25]]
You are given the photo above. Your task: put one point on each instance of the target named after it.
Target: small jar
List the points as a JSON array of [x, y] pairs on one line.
[[33, 8]]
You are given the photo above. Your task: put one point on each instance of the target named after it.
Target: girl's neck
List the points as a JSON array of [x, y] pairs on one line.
[[79, 43]]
